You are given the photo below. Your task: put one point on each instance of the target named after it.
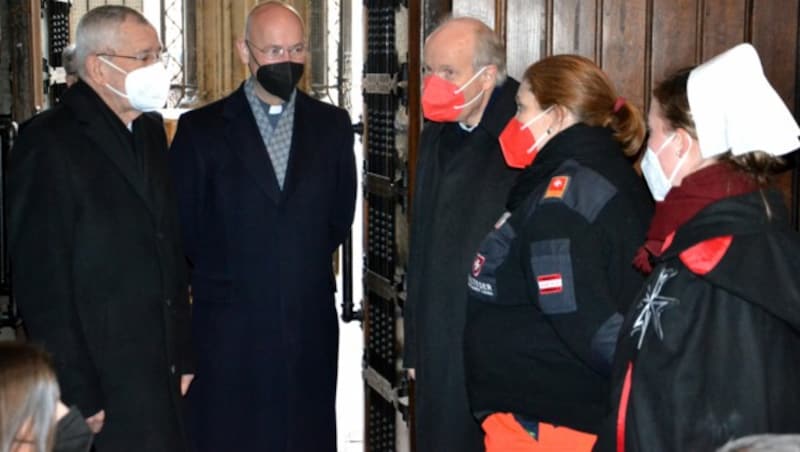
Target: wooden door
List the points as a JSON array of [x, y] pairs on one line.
[[638, 42]]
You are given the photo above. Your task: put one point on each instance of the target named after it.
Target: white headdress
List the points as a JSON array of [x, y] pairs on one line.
[[736, 109]]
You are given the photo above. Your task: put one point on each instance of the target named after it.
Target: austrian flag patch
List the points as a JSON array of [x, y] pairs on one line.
[[557, 187], [550, 284]]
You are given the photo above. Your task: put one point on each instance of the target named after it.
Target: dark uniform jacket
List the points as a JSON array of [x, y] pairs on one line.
[[265, 325], [549, 281], [461, 186], [97, 266], [710, 349]]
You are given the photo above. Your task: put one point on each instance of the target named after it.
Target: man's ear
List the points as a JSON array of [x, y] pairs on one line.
[[243, 51], [96, 69], [489, 77]]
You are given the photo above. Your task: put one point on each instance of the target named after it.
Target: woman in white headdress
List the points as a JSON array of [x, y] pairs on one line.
[[710, 348]]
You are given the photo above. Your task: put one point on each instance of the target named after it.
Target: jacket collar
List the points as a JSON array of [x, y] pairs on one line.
[[104, 128], [501, 108], [242, 133], [736, 215]]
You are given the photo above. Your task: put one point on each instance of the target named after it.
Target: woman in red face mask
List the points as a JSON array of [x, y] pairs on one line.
[[549, 282]]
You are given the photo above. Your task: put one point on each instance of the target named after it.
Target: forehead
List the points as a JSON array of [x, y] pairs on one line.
[[450, 46], [275, 25], [136, 36]]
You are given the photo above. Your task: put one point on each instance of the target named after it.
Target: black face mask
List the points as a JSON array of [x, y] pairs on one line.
[[72, 433], [280, 78]]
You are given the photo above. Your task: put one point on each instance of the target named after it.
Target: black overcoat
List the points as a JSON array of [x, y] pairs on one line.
[[98, 270], [459, 194], [264, 320]]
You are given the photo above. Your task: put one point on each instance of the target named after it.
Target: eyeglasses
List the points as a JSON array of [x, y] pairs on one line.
[[277, 52], [147, 58]]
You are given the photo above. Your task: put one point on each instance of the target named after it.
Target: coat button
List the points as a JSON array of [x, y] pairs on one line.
[[168, 302], [172, 369], [160, 235]]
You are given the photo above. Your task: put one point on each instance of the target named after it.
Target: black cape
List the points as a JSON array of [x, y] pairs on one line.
[[713, 340], [461, 186]]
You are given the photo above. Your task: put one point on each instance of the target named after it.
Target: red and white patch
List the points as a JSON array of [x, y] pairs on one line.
[[477, 265], [550, 284], [557, 187]]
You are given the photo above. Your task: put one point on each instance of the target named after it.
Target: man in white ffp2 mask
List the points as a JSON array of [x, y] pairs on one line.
[[99, 273]]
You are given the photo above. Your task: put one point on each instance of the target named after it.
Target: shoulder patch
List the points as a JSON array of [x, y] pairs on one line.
[[704, 256], [557, 187], [580, 188]]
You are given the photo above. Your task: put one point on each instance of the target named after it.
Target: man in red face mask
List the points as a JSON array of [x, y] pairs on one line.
[[461, 185]]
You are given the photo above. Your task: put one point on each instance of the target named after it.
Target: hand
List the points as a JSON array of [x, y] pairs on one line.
[[96, 421], [412, 374], [61, 410], [186, 381]]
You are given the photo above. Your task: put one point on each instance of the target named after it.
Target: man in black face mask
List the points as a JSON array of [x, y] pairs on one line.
[[266, 188]]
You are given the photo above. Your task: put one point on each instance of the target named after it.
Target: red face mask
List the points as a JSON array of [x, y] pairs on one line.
[[518, 143], [442, 101]]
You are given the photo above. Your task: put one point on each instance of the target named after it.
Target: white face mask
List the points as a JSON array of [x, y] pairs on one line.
[[146, 88], [658, 183]]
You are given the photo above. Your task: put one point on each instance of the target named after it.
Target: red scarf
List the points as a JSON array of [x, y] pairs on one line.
[[682, 203]]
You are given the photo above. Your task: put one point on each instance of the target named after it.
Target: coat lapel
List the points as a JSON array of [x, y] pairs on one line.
[[299, 153], [153, 169], [99, 126], [244, 138]]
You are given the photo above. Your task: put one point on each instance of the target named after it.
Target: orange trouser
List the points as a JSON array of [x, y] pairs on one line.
[[504, 434]]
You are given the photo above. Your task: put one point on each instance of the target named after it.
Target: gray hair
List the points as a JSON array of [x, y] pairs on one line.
[[261, 5], [28, 396], [489, 48], [98, 30], [68, 60], [764, 443]]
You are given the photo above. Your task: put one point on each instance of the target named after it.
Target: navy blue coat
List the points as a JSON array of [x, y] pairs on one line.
[[264, 317]]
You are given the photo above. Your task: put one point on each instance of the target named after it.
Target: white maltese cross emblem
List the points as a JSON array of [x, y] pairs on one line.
[[651, 306]]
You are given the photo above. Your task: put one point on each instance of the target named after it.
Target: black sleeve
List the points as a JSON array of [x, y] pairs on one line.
[[567, 262], [41, 215], [414, 275], [344, 205]]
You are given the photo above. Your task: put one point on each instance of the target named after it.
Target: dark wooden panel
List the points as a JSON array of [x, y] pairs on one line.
[[774, 34], [526, 34], [674, 37], [773, 27], [723, 26], [575, 27], [623, 49]]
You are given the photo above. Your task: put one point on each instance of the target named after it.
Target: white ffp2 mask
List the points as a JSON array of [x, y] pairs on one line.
[[658, 182], [146, 88]]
